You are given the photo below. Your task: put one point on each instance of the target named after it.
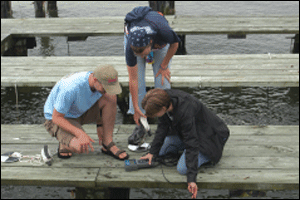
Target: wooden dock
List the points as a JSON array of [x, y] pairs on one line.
[[195, 71], [275, 70], [254, 158], [114, 25]]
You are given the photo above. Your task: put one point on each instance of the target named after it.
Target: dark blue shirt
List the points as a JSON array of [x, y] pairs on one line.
[[154, 24]]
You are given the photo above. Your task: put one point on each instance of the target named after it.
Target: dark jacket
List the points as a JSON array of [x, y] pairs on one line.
[[198, 127], [154, 24]]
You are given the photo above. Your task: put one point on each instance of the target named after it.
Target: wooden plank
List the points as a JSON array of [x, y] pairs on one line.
[[235, 24], [231, 151], [67, 26], [30, 130], [50, 176], [249, 81], [209, 178], [255, 157], [41, 138], [96, 159], [38, 130], [113, 25], [278, 70], [175, 70]]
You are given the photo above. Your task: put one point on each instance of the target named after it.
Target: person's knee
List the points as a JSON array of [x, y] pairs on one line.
[[107, 99], [181, 168], [112, 98]]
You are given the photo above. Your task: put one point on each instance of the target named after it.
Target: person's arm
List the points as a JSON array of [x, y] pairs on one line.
[[171, 52], [82, 137], [134, 90], [191, 155], [164, 71]]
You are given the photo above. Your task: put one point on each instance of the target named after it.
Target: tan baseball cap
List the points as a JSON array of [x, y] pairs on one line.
[[108, 77]]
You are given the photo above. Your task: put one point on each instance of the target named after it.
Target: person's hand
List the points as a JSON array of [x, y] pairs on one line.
[[85, 143], [165, 73], [149, 156], [137, 115], [193, 188]]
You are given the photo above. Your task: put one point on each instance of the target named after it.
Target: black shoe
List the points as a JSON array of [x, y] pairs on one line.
[[137, 136], [61, 156]]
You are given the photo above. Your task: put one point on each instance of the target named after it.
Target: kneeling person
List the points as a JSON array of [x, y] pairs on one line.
[[83, 98], [185, 124]]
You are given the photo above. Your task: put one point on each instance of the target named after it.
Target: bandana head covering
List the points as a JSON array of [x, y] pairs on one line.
[[139, 38]]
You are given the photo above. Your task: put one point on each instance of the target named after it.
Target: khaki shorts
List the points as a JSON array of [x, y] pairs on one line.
[[93, 115]]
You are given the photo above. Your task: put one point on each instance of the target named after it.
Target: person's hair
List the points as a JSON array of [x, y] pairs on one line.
[[154, 101], [139, 49]]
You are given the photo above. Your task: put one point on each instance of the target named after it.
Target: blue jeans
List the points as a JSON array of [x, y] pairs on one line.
[[172, 144], [158, 56]]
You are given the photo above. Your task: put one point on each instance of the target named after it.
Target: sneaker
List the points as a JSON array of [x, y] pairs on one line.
[[137, 136]]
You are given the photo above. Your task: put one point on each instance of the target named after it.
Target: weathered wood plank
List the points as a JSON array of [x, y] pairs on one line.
[[231, 151], [231, 24], [239, 139], [176, 71], [97, 159], [250, 81], [198, 70], [24, 129], [38, 130], [209, 178], [50, 176], [113, 25], [255, 157]]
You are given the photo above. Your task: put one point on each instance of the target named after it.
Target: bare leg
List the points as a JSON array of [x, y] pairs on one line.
[[100, 134], [108, 105], [63, 147]]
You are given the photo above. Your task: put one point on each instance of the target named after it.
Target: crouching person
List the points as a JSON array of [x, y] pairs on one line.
[[185, 124], [83, 98]]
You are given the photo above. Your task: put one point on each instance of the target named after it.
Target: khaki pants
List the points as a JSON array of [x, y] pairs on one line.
[[90, 116]]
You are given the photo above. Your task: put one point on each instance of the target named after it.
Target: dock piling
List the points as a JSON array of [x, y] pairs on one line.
[[6, 11], [39, 8], [52, 9], [168, 8], [296, 44]]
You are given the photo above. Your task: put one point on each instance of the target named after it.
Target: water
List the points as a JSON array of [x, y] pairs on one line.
[[237, 106]]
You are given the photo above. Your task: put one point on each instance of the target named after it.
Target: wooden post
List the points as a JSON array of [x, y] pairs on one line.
[[168, 8], [52, 8], [296, 44], [165, 7], [52, 5], [6, 9], [39, 8]]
